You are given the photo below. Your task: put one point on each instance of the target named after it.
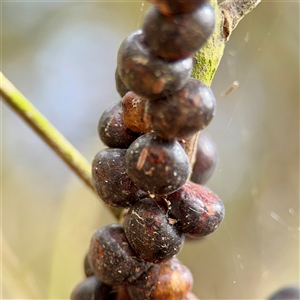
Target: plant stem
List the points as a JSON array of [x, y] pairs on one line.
[[206, 62], [46, 131], [234, 11]]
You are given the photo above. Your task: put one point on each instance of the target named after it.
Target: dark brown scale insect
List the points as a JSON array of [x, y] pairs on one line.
[[148, 75], [157, 165], [197, 210], [93, 289], [170, 7], [112, 258], [112, 130], [150, 233], [133, 107], [120, 86], [88, 271], [111, 181], [287, 293], [168, 281], [181, 35], [205, 160], [184, 113]]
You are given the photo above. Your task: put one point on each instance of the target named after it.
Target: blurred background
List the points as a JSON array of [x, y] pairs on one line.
[[62, 56]]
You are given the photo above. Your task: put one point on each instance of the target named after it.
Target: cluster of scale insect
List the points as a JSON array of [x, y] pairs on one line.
[[145, 168]]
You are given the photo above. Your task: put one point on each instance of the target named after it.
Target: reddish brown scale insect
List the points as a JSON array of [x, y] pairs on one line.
[[168, 281], [198, 210], [133, 107]]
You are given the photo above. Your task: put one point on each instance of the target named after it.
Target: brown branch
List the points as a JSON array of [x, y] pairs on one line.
[[233, 12]]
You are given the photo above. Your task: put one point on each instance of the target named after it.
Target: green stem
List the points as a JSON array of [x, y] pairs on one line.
[[48, 133], [52, 137]]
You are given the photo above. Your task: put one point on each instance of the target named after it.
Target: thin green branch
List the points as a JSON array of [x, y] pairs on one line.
[[46, 131]]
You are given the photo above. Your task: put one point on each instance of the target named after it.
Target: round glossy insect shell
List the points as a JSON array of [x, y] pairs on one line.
[[184, 113], [112, 130], [169, 281], [157, 165], [88, 270], [287, 293], [179, 36], [111, 181], [197, 210], [205, 160], [92, 288], [148, 75], [112, 258], [150, 233], [120, 86]]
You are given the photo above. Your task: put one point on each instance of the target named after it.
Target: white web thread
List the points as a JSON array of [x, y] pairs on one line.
[[236, 256], [141, 15]]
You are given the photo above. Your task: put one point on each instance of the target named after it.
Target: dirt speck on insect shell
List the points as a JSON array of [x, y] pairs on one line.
[[150, 233], [157, 165], [169, 281], [112, 258]]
